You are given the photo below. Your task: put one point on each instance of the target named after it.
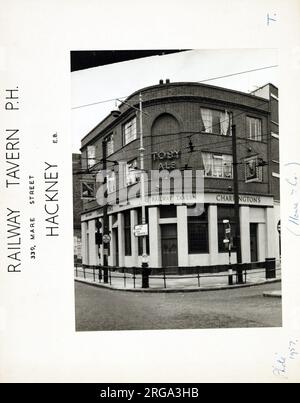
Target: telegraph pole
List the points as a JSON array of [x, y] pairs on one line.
[[106, 236], [236, 205], [145, 265], [142, 166]]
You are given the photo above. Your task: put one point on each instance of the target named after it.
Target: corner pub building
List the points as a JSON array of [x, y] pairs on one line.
[[187, 124]]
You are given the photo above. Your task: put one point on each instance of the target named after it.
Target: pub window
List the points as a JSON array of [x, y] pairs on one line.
[[140, 239], [110, 144], [217, 165], [129, 131], [169, 211], [111, 182], [91, 156], [198, 233], [254, 129], [216, 122], [127, 230], [225, 213], [132, 174]]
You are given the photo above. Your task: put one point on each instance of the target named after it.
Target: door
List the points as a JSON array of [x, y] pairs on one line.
[[169, 245], [116, 251], [253, 242]]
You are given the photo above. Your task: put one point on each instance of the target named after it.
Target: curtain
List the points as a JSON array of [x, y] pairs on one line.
[[217, 166], [207, 162], [224, 122], [227, 159], [206, 115]]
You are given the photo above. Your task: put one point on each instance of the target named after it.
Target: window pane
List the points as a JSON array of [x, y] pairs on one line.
[[216, 128], [111, 182], [254, 129], [198, 233], [91, 154], [219, 166], [129, 131], [168, 211], [110, 145], [198, 237], [132, 174]]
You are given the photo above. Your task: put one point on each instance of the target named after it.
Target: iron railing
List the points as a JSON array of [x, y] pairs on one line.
[[131, 277]]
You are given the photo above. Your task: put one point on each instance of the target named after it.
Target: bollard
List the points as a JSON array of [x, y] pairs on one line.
[[270, 268], [145, 275]]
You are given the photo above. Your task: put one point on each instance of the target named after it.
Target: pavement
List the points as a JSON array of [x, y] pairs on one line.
[[205, 282]]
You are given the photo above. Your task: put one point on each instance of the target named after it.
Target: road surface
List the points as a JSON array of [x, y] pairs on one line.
[[105, 309]]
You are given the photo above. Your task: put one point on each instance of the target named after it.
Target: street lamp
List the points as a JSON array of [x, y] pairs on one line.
[[145, 264]]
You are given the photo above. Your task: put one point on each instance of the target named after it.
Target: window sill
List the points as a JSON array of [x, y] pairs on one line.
[[216, 134], [216, 177]]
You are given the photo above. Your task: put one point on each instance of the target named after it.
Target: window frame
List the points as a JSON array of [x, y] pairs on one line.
[[127, 173], [216, 114], [110, 140], [198, 221], [258, 136], [215, 157], [91, 161], [132, 119]]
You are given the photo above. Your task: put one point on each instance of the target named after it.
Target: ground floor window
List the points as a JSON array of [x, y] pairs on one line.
[[169, 211], [225, 213], [198, 233]]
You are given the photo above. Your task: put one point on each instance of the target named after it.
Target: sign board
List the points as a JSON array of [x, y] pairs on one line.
[[88, 190], [226, 241], [227, 230], [141, 230], [106, 238]]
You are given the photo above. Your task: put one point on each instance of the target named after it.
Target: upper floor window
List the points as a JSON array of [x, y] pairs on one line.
[[132, 173], [110, 144], [111, 182], [216, 122], [129, 131], [254, 129], [91, 156], [217, 165]]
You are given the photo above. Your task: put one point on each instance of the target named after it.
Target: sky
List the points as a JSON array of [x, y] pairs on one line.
[[122, 79]]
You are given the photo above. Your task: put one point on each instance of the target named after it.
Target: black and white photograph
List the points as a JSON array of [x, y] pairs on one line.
[[149, 195], [176, 189]]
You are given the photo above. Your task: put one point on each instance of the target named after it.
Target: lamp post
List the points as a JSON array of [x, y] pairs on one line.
[[236, 206], [145, 265], [142, 150]]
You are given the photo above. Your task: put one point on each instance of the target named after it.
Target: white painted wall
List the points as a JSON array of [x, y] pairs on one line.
[[245, 233], [182, 236]]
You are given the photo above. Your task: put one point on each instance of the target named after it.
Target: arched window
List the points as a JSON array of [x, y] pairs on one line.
[[165, 124]]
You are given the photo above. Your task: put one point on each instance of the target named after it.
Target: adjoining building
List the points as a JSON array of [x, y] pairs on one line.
[[77, 207], [186, 126]]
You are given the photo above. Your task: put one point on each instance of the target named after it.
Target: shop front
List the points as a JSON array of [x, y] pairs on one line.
[[185, 235]]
